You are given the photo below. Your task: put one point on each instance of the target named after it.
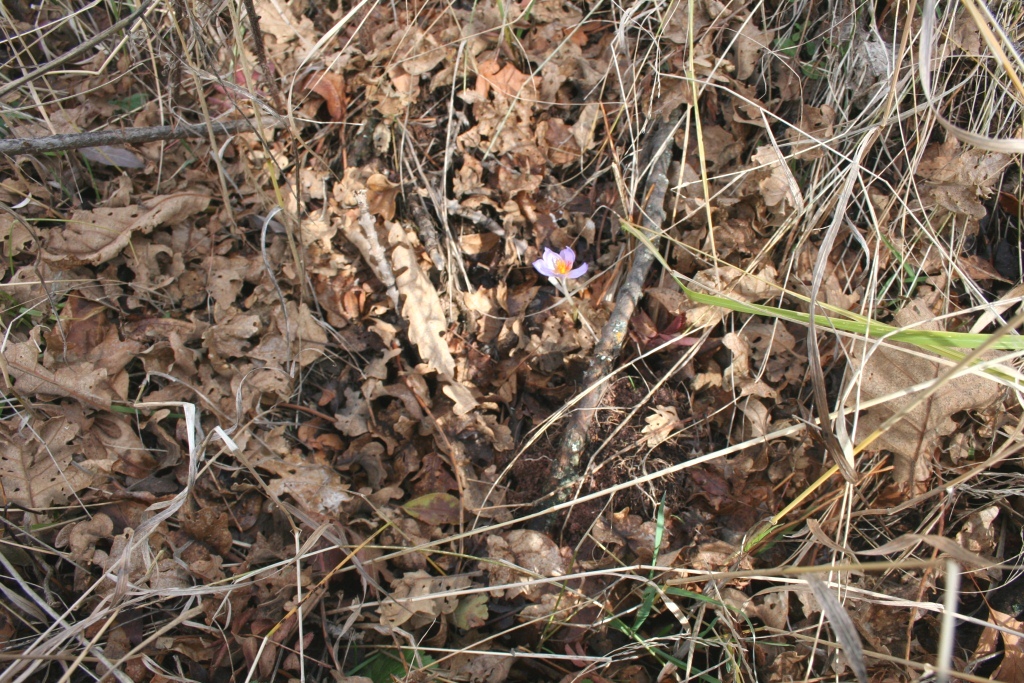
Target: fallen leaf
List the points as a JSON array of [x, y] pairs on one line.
[[97, 235], [776, 182], [1011, 669], [82, 380], [913, 440], [421, 306], [418, 594], [36, 467], [106, 155], [331, 87], [749, 43], [471, 612], [314, 485], [660, 424], [435, 509]]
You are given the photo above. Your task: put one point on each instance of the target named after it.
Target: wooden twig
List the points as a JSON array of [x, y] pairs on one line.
[[609, 346], [261, 53], [425, 229], [127, 136]]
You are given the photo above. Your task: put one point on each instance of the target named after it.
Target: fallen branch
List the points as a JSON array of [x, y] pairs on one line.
[[613, 335], [127, 136]]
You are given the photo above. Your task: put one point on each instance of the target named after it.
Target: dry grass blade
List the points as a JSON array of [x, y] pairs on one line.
[[842, 625]]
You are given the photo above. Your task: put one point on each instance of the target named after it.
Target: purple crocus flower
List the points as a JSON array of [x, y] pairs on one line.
[[559, 265]]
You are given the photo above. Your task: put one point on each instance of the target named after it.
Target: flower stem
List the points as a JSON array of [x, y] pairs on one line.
[[561, 286]]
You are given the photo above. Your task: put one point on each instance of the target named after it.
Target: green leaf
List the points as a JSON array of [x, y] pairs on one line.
[[130, 103], [644, 611], [471, 612], [435, 508], [386, 666]]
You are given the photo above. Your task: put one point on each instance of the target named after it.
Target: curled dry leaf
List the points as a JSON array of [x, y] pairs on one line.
[[1011, 669], [421, 306], [81, 538], [380, 196], [97, 235], [331, 87], [660, 423]]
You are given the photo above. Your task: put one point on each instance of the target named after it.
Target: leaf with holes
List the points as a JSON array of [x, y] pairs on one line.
[[36, 469]]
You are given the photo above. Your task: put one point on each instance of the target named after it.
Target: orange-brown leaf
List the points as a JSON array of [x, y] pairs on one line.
[[331, 87]]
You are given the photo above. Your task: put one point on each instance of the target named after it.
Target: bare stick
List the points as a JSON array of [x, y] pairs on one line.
[[261, 52], [128, 136], [608, 348]]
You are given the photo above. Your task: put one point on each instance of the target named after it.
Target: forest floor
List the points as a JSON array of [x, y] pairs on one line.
[[295, 394]]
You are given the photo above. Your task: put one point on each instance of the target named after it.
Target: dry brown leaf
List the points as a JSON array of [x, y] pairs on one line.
[[97, 235], [975, 168], [1011, 669], [776, 183], [81, 537], [475, 244], [209, 526], [138, 562], [531, 550], [558, 142], [278, 20], [979, 533], [418, 594], [331, 87], [87, 334], [417, 51], [958, 179], [727, 281], [354, 418], [36, 469], [505, 81], [749, 44], [660, 423], [380, 196], [482, 668], [82, 381], [14, 236], [311, 482], [814, 130], [914, 440], [421, 306]]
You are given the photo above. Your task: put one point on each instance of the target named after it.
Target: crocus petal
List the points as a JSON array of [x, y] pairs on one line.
[[568, 255], [576, 272], [543, 268], [550, 259]]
